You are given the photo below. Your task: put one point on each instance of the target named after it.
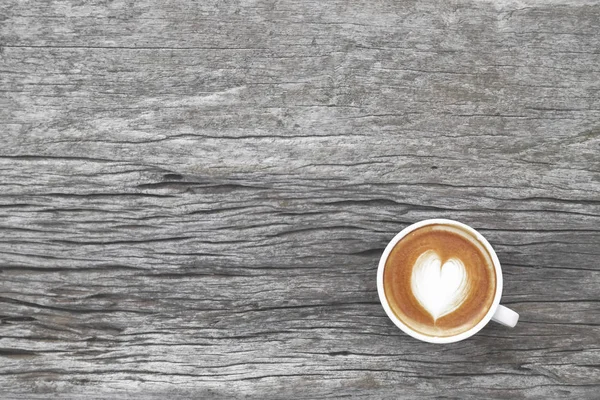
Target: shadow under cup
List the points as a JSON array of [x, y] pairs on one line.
[[439, 280]]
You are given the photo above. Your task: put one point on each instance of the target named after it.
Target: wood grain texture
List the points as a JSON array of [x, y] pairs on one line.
[[194, 195]]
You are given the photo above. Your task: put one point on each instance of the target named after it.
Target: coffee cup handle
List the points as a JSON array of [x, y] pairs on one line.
[[505, 316]]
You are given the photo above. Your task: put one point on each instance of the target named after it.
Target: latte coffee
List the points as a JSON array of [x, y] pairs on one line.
[[439, 280]]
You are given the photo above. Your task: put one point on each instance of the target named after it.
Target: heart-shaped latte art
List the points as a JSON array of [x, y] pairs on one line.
[[439, 288]]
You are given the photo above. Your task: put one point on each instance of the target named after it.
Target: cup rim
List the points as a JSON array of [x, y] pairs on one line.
[[436, 339]]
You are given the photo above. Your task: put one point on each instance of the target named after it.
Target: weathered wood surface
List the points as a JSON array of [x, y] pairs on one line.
[[194, 195]]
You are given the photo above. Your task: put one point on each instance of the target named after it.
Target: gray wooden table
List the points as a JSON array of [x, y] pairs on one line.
[[194, 195]]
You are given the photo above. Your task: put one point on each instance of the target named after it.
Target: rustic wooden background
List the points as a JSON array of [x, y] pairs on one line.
[[194, 195]]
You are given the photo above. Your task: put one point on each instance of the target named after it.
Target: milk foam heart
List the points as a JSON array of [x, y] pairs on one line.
[[439, 288]]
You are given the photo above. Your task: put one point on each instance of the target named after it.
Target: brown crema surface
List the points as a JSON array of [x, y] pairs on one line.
[[448, 242]]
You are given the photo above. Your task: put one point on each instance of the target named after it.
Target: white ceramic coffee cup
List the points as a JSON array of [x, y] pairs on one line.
[[497, 312]]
